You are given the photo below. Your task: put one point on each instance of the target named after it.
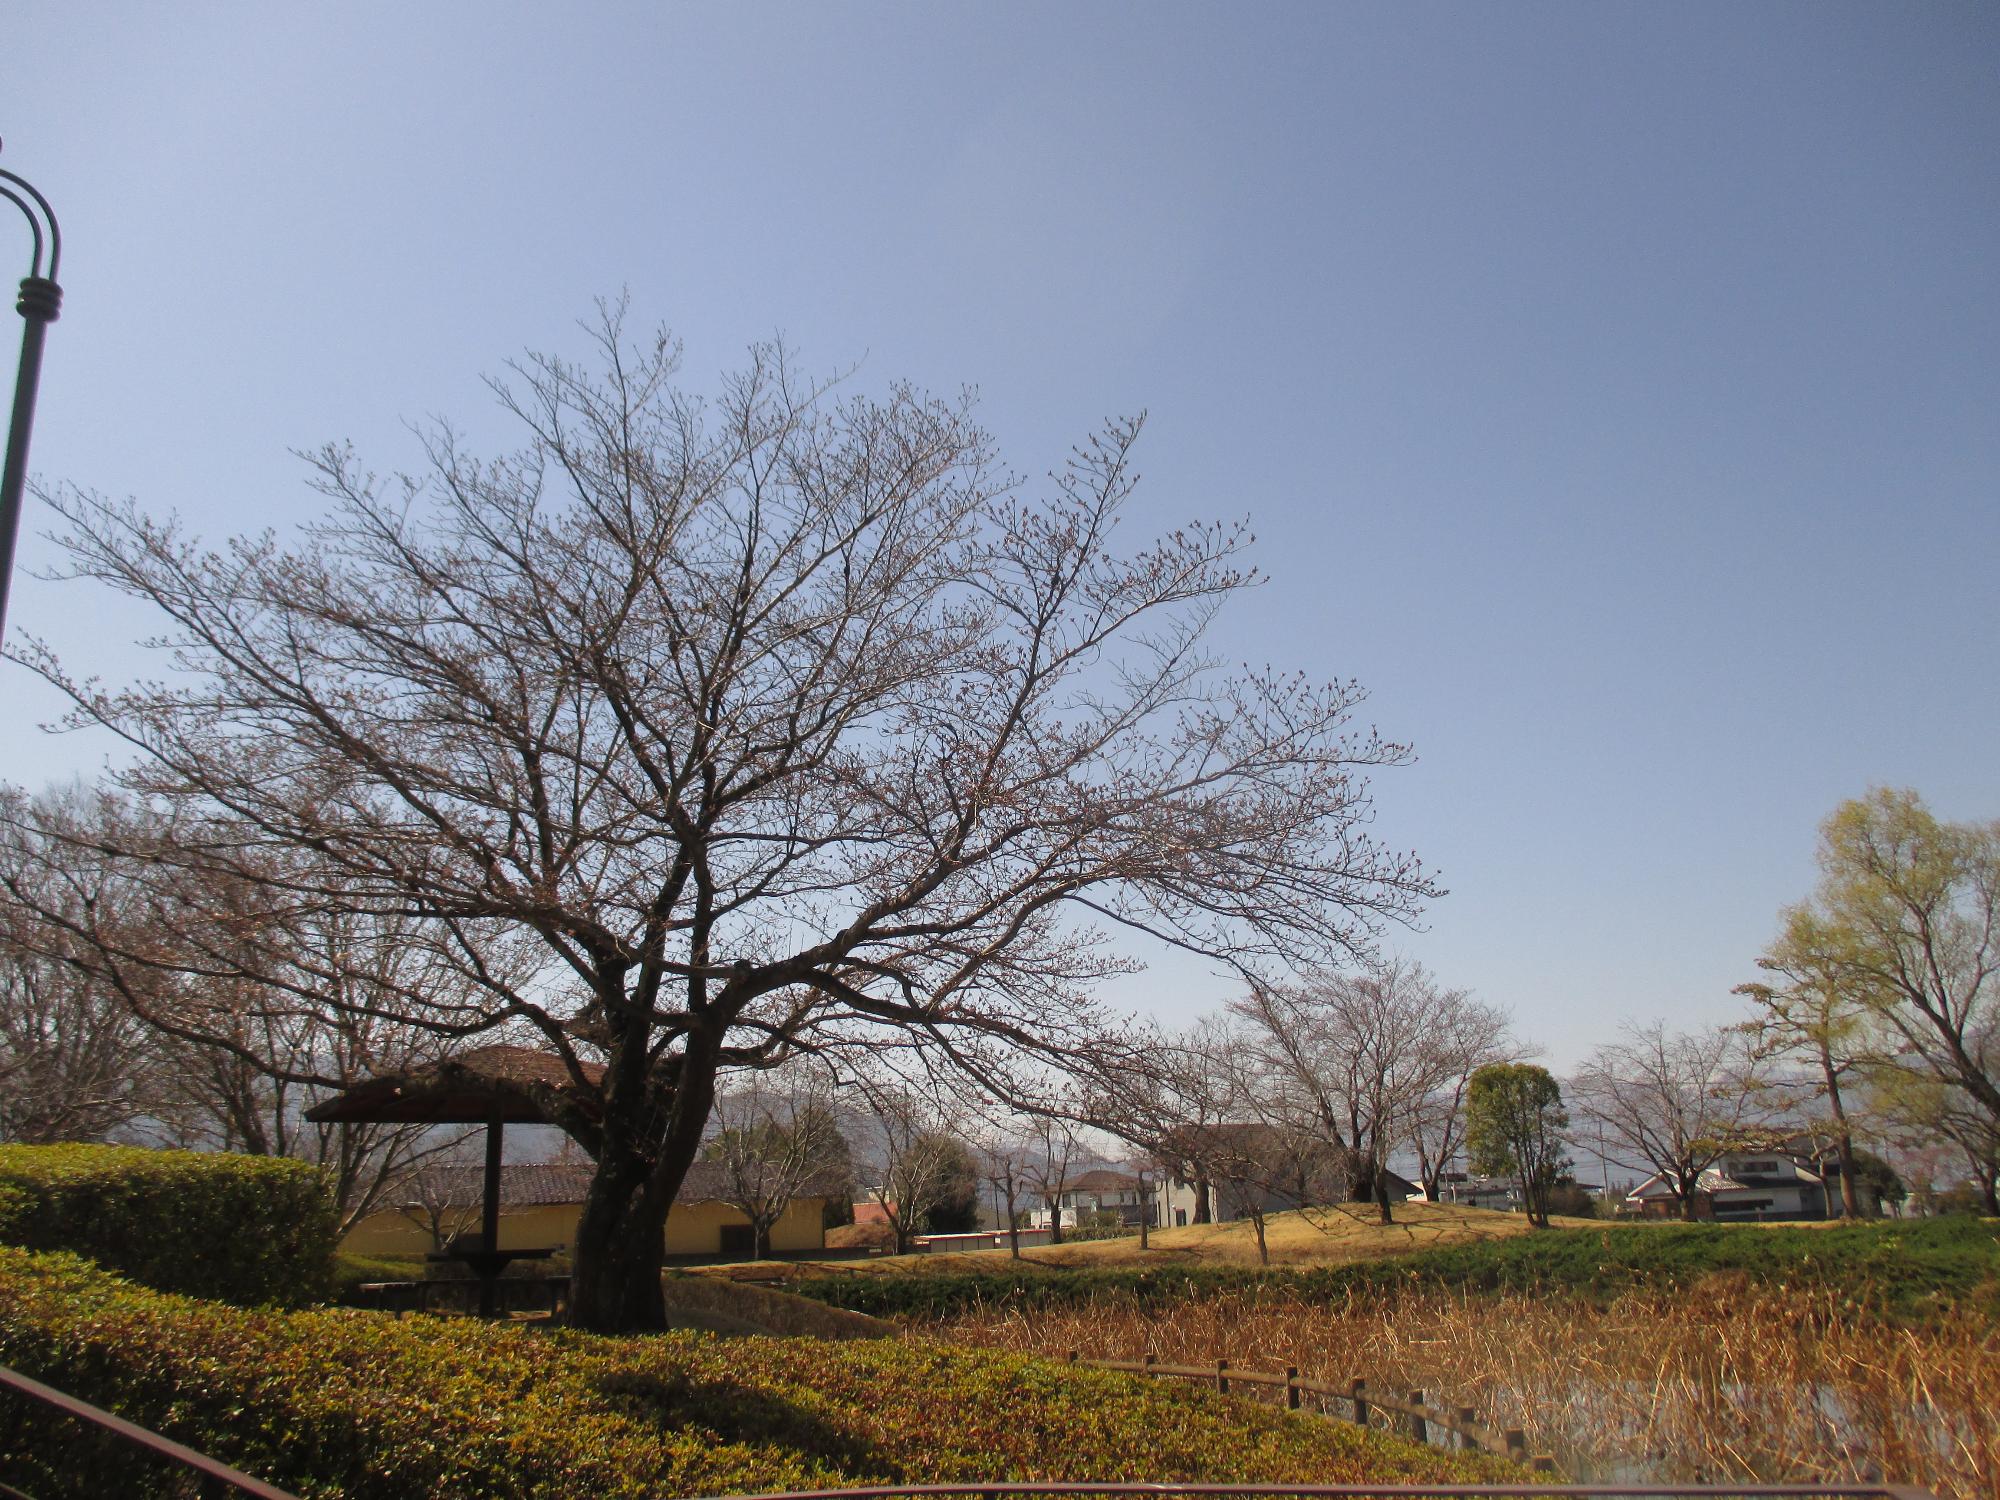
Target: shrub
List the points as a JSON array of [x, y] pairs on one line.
[[337, 1402], [1899, 1269], [243, 1229], [1099, 1226]]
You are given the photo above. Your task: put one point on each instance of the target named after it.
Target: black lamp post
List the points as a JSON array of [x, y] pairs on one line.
[[40, 304]]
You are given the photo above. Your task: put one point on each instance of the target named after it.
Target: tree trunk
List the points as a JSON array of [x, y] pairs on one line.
[[1201, 1214], [1263, 1252], [621, 1233], [620, 1249], [1843, 1139], [1382, 1196]]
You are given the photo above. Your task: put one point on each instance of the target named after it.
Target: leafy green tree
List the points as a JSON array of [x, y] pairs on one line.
[[1812, 1010], [1514, 1124], [1904, 930]]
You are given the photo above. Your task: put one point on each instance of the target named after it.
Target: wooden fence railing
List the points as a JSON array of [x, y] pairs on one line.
[[1357, 1401]]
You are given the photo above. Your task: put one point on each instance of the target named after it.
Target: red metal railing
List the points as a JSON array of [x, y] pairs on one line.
[[213, 1478], [1003, 1489]]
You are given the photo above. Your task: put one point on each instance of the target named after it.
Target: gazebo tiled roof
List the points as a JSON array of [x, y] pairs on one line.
[[496, 1084]]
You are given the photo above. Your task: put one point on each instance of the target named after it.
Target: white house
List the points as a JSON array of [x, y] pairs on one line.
[[1743, 1185], [1098, 1191]]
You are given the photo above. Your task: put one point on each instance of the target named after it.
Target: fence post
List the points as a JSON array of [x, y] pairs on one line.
[[1073, 1356], [1467, 1420], [1222, 1375], [1517, 1445], [1148, 1362], [1291, 1387], [1420, 1431], [1358, 1391], [1544, 1464]]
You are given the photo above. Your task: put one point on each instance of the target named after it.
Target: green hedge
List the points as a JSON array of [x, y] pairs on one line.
[[244, 1229], [1901, 1269], [334, 1402]]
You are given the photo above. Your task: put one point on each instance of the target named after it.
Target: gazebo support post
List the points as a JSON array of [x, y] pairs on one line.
[[489, 1221]]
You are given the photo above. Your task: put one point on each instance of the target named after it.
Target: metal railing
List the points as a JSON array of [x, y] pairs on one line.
[[213, 1479], [1003, 1489]]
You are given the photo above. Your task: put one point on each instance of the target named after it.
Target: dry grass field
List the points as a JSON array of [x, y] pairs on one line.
[[1309, 1237], [1728, 1381]]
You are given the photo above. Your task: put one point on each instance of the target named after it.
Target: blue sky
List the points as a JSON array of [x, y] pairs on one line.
[[1613, 389]]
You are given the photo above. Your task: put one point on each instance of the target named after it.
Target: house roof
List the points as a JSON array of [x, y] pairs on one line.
[[1714, 1180], [1101, 1180], [500, 1083], [547, 1184]]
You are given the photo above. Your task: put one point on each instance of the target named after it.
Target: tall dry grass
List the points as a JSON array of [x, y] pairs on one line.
[[1730, 1382]]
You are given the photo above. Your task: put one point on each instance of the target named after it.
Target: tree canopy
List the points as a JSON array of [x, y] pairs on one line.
[[697, 734]]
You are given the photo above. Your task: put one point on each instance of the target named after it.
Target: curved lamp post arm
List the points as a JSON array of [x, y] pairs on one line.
[[39, 304]]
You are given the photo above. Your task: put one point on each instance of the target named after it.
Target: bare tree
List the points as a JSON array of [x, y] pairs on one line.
[[1164, 1107], [1146, 1167], [1461, 1036], [248, 1016], [75, 1063], [1674, 1103], [1004, 1154], [1920, 1111], [1373, 1059], [444, 1198], [776, 1138], [774, 722], [915, 1153], [1231, 1119], [1052, 1151]]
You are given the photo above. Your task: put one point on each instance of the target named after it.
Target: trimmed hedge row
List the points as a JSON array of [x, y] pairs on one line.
[[244, 1229], [335, 1402], [1906, 1270]]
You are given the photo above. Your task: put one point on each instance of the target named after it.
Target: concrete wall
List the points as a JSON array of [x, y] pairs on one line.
[[692, 1229], [982, 1239]]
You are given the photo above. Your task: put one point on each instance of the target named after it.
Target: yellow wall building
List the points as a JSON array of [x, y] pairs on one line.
[[539, 1207]]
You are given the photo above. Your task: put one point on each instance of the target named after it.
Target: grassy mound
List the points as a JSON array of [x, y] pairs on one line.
[[733, 1307], [1298, 1238], [346, 1403], [1909, 1270]]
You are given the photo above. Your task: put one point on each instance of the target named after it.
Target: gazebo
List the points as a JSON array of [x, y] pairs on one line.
[[495, 1086]]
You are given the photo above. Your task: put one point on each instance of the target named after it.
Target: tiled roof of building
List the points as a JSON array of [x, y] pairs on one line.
[[544, 1184], [1101, 1180]]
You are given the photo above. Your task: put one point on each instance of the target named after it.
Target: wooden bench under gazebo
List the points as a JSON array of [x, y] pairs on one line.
[[495, 1086]]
